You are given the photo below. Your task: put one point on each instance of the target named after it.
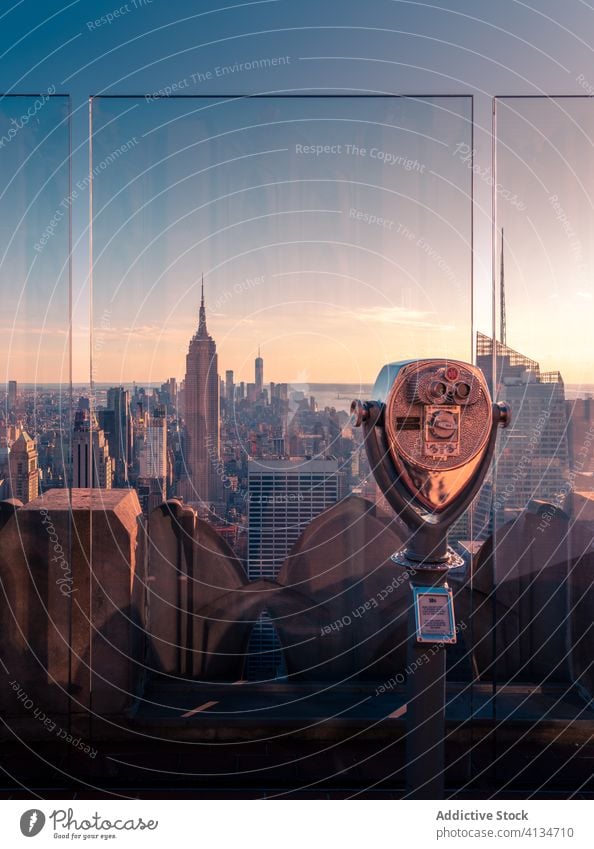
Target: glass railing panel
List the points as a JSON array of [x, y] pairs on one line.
[[39, 578], [543, 491], [255, 262]]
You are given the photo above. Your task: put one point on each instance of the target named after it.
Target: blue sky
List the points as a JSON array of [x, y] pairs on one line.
[[351, 216], [474, 48]]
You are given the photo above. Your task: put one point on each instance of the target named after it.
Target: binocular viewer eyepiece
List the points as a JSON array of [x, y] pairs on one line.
[[430, 435]]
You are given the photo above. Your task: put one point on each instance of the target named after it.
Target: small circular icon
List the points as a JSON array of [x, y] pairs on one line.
[[32, 822], [452, 373]]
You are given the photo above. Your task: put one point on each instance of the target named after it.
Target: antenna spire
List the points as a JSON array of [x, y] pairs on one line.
[[503, 331], [202, 331]]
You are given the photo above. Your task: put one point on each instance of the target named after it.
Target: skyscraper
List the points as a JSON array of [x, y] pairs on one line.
[[283, 498], [168, 394], [12, 396], [201, 401], [153, 459], [120, 441], [532, 458], [259, 369], [92, 464], [23, 471], [229, 389], [152, 480], [580, 438]]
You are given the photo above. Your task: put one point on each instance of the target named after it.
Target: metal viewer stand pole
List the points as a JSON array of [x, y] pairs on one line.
[[426, 677]]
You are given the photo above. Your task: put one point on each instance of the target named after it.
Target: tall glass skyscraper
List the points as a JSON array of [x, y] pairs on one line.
[[532, 458], [259, 374], [120, 440]]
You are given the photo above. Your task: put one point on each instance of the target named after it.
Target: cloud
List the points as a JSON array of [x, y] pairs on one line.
[[403, 316], [31, 332]]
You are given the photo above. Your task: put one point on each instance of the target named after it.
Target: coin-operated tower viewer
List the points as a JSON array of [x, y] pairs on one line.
[[430, 435]]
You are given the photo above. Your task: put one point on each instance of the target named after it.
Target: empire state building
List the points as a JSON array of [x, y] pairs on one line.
[[202, 415]]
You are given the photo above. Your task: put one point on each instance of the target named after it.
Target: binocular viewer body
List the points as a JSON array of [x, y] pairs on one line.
[[430, 435]]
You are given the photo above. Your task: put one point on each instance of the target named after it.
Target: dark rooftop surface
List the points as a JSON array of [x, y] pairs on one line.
[[191, 705], [283, 740]]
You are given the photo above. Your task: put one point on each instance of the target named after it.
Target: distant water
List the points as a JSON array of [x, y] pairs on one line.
[[337, 395], [574, 390]]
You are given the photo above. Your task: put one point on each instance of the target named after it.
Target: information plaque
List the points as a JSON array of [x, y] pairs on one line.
[[434, 614]]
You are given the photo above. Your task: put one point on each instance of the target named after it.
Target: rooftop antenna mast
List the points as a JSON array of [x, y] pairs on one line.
[[502, 296]]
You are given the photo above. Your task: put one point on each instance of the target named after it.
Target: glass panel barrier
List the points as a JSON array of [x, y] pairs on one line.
[[543, 492], [256, 260], [38, 580]]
